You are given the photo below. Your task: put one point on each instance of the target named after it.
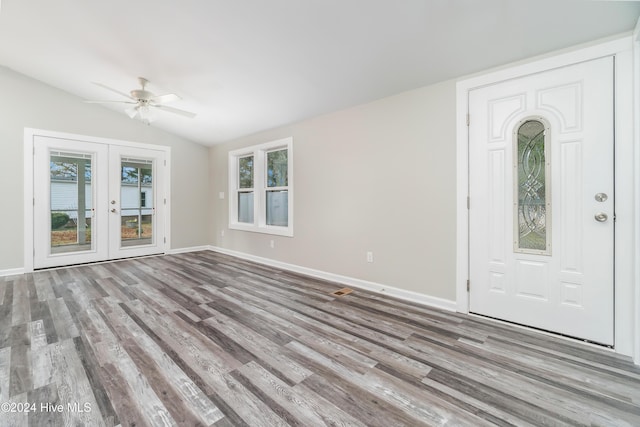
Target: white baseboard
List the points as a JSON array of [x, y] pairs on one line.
[[345, 280], [11, 272], [186, 250]]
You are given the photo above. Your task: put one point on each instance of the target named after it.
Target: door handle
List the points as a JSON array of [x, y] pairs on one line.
[[114, 210], [601, 217]]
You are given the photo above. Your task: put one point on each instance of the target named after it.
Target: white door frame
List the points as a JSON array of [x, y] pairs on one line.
[[29, 136], [626, 240], [636, 180]]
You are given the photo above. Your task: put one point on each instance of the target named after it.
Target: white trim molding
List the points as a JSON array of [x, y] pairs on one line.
[[636, 180], [627, 238], [415, 297], [11, 272], [189, 249]]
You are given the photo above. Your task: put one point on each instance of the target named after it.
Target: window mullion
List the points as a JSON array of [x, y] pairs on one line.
[[260, 185]]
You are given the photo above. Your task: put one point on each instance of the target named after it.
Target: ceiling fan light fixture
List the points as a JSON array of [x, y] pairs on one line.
[[146, 114]]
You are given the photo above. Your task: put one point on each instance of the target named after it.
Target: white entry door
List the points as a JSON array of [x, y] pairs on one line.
[[96, 201], [541, 194]]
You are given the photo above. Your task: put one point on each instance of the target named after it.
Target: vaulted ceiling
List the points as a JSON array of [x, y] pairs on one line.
[[248, 65]]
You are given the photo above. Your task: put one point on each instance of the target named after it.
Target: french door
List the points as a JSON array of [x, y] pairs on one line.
[[96, 201], [541, 193]]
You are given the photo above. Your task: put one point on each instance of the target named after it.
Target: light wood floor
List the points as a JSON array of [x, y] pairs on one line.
[[204, 339]]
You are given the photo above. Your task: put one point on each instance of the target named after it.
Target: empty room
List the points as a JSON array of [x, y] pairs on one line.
[[309, 213]]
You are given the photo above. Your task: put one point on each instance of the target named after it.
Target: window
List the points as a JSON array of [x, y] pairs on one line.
[[245, 189], [261, 188]]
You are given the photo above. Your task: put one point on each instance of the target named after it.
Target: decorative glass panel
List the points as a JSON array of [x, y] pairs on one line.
[[277, 168], [245, 172], [278, 208], [533, 209]]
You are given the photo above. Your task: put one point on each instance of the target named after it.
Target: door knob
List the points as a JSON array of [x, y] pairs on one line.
[[601, 217], [113, 202], [113, 210]]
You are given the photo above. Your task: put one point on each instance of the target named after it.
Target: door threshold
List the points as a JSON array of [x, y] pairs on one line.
[[546, 332], [106, 261]]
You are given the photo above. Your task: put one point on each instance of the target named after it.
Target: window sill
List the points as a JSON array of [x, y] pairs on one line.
[[277, 231]]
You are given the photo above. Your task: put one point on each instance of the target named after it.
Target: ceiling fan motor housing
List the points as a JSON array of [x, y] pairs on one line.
[[141, 95]]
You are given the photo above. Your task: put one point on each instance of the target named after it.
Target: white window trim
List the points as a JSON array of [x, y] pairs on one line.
[[259, 153]]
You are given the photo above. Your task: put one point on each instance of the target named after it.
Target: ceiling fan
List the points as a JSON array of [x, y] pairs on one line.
[[143, 103]]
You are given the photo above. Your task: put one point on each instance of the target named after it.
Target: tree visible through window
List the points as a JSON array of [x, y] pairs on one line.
[[245, 191], [277, 194]]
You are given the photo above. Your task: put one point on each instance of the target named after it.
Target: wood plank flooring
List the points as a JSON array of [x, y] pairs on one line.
[[204, 339]]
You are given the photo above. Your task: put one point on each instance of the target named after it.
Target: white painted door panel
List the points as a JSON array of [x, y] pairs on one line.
[[567, 287]]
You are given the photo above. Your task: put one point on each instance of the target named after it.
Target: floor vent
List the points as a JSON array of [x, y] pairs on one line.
[[342, 292]]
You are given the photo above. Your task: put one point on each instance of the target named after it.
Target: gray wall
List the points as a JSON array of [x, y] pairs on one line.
[[25, 102], [378, 177]]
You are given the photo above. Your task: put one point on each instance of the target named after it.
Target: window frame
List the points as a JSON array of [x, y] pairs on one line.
[[245, 190], [260, 187]]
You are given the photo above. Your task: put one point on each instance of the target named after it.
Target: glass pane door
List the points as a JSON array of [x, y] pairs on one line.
[[136, 199], [136, 216], [69, 202], [96, 201]]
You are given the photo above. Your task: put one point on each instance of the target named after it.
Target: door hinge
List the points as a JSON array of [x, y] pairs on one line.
[[165, 163], [468, 203], [165, 240], [468, 285], [468, 119], [165, 201]]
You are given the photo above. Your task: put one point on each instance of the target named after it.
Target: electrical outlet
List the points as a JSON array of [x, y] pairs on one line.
[[221, 233], [272, 243], [369, 256], [221, 195]]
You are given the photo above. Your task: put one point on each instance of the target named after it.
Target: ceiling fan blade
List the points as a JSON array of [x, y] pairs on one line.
[[109, 102], [126, 95], [176, 111], [165, 99]]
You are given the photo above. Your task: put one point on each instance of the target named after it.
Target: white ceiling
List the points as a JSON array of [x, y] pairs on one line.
[[248, 65]]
